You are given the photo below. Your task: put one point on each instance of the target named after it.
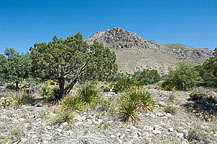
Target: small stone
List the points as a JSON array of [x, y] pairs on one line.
[[168, 115], [127, 130], [78, 123], [59, 130], [147, 134], [159, 114], [185, 141], [181, 128], [23, 140], [34, 136], [156, 132], [134, 128], [22, 119], [162, 104], [65, 124], [80, 118], [45, 142], [112, 136], [157, 127], [148, 128], [180, 135], [122, 137], [48, 127], [171, 129]]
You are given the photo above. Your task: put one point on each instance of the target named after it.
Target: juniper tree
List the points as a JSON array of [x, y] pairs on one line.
[[14, 67], [71, 60]]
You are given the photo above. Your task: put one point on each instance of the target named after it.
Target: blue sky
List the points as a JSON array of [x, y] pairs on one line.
[[191, 22]]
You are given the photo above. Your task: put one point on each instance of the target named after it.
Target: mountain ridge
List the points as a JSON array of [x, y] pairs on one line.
[[135, 53]]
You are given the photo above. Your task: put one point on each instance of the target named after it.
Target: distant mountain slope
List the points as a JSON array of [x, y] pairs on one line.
[[184, 51], [134, 53]]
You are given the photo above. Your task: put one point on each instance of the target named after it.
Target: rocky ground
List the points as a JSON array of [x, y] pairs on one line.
[[38, 123]]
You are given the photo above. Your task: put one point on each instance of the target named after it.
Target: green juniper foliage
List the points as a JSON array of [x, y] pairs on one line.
[[123, 84], [147, 76], [71, 60], [183, 78], [14, 67], [208, 71], [211, 63]]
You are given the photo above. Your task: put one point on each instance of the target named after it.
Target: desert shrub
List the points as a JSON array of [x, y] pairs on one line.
[[201, 95], [118, 76], [183, 78], [21, 98], [54, 95], [168, 86], [4, 102], [123, 84], [170, 109], [11, 86], [71, 103], [208, 78], [86, 95], [128, 111], [140, 97], [61, 118], [147, 76], [131, 101], [51, 82], [198, 94], [106, 89], [50, 93], [171, 97], [195, 136]]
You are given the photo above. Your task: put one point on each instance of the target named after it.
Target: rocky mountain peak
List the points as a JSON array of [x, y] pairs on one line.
[[118, 38]]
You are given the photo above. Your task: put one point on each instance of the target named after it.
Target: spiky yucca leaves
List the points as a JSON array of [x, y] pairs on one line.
[[131, 101], [140, 97], [128, 111], [86, 95], [71, 103]]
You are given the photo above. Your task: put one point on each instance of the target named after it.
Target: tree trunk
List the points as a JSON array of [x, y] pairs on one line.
[[17, 86], [61, 86], [69, 88]]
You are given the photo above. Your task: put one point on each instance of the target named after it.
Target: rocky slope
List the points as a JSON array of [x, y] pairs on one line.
[[38, 124], [135, 53]]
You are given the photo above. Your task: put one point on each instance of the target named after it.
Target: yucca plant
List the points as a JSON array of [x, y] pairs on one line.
[[71, 103], [128, 111], [140, 97], [87, 94]]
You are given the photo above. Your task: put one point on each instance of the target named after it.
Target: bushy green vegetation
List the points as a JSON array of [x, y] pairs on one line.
[[123, 84], [201, 95], [49, 92], [128, 111], [118, 76], [14, 68], [21, 98], [86, 95], [140, 97], [106, 89], [170, 109], [147, 76], [184, 77], [208, 78], [131, 101], [72, 60], [211, 64]]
